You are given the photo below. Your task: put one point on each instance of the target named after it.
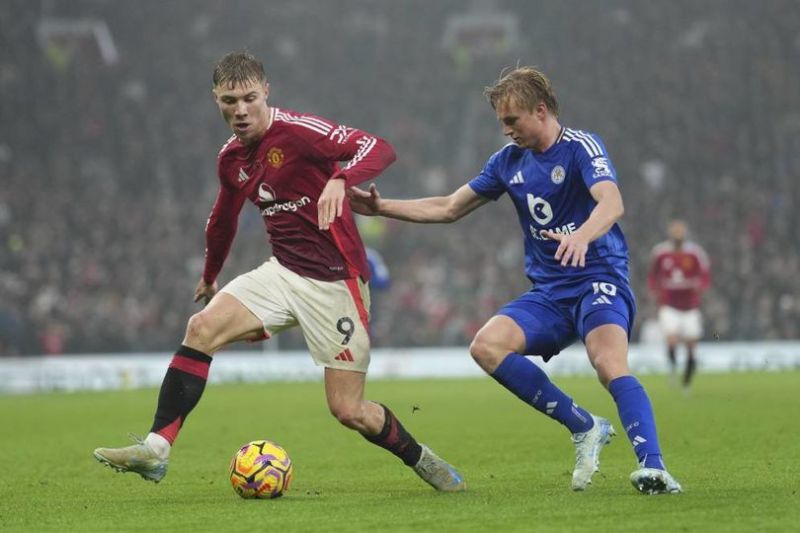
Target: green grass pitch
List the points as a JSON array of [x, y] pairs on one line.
[[733, 444]]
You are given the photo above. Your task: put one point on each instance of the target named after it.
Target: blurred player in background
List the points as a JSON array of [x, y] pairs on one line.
[[286, 164], [679, 274], [380, 278], [564, 189]]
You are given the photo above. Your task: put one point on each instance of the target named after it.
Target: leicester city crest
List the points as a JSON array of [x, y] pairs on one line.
[[557, 174]]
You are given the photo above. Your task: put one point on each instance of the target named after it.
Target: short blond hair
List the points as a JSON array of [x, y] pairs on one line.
[[238, 68], [526, 86]]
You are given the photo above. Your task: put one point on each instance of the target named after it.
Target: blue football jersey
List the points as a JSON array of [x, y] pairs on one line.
[[550, 191]]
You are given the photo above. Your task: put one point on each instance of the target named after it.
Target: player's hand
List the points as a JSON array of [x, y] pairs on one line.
[[365, 202], [205, 291], [329, 205], [572, 248]]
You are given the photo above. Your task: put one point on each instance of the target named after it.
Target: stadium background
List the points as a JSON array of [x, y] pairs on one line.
[[108, 138], [109, 135]]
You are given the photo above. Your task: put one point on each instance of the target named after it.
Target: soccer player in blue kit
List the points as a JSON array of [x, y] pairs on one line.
[[564, 188]]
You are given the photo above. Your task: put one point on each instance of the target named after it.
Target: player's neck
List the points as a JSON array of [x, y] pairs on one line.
[[552, 132], [260, 136]]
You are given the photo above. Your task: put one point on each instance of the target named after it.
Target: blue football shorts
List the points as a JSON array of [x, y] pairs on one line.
[[554, 319]]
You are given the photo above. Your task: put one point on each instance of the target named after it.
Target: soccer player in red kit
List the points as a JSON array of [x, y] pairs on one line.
[[679, 275], [287, 165]]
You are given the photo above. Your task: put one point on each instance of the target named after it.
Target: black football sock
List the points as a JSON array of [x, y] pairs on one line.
[[180, 391], [671, 356], [396, 439], [691, 365]]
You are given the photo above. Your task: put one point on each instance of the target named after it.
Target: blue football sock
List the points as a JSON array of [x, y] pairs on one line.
[[531, 385], [636, 415]]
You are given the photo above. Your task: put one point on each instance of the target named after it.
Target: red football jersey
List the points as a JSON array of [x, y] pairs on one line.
[[283, 175], [678, 277]]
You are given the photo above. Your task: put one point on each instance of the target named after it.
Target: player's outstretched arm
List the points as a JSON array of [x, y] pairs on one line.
[[428, 210]]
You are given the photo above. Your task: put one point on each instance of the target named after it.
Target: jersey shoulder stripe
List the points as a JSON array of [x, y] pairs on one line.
[[227, 143], [311, 123], [588, 142]]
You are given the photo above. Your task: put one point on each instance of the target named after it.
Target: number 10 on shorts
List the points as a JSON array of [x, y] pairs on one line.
[[604, 287]]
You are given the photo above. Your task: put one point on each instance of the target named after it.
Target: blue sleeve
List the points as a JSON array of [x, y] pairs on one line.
[[488, 183], [593, 160]]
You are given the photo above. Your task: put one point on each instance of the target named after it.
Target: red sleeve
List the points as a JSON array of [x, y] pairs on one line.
[[221, 229], [367, 155]]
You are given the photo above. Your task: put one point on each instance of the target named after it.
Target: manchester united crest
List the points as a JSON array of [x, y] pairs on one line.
[[275, 157]]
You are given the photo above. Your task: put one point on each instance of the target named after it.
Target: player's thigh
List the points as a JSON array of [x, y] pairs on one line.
[[224, 320], [607, 348], [265, 293], [334, 317], [546, 328], [605, 316], [604, 302]]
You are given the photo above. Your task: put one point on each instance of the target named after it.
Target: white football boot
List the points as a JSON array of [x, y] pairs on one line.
[[438, 473], [654, 481], [587, 451], [139, 458]]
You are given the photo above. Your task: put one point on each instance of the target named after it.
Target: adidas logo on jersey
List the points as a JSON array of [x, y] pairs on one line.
[[345, 356], [602, 299], [517, 179]]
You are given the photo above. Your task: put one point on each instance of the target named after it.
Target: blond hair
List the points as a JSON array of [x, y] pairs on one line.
[[238, 68], [525, 86]]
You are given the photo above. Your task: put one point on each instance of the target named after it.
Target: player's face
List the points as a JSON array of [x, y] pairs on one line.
[[677, 231], [526, 128], [244, 108]]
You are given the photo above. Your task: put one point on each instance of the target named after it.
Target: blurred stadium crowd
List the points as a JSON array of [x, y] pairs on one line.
[[107, 151]]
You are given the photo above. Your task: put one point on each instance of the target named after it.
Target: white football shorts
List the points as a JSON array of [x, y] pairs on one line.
[[684, 324], [333, 315]]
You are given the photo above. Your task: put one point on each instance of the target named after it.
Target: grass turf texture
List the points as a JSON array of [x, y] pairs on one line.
[[732, 444]]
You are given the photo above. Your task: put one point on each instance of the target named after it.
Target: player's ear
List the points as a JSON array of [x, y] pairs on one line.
[[266, 91]]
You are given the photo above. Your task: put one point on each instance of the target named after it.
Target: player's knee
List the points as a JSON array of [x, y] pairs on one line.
[[610, 365], [199, 330], [486, 353], [348, 415]]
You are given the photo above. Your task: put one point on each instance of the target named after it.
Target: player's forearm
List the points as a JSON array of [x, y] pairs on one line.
[[216, 253], [604, 215], [219, 238], [425, 210]]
